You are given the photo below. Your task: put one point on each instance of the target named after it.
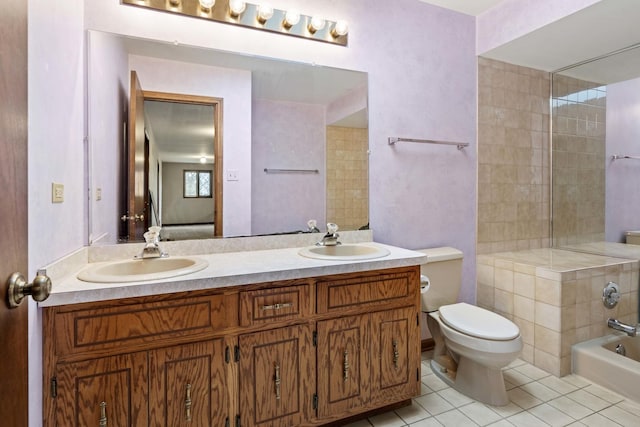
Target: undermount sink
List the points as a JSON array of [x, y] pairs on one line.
[[348, 252], [141, 269]]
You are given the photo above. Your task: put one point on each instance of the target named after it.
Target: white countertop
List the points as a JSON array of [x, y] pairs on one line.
[[226, 269]]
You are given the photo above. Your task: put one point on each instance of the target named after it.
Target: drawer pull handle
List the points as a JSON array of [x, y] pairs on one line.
[[276, 380], [396, 354], [103, 414], [345, 365], [187, 404], [277, 306]]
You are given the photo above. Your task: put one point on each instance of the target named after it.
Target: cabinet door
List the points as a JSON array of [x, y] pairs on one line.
[[188, 385], [343, 365], [110, 391], [395, 346], [277, 377]]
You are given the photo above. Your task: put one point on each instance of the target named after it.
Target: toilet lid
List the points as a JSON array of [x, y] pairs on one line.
[[478, 322]]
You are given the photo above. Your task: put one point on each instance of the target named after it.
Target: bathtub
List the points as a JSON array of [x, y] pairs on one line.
[[597, 361]]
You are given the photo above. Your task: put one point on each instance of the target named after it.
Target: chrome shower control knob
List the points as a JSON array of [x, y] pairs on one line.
[[611, 295]]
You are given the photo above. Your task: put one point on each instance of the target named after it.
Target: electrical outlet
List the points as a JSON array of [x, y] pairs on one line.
[[233, 175], [98, 194], [57, 192]]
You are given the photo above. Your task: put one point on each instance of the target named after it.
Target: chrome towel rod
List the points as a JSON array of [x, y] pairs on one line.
[[460, 145], [622, 156], [267, 170]]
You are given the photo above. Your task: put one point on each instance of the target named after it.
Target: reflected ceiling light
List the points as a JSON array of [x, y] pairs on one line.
[[291, 18], [236, 7], [206, 5], [265, 12], [341, 28], [316, 24]]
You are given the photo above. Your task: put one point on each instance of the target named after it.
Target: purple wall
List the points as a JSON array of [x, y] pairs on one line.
[[622, 176]]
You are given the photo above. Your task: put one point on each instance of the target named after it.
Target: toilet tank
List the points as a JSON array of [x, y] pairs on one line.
[[444, 270]]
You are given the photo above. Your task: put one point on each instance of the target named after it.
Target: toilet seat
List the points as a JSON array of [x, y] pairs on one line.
[[478, 322]]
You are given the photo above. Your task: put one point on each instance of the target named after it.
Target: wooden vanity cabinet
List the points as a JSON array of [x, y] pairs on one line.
[[294, 353]]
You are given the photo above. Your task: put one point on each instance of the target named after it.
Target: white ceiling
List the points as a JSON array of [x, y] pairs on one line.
[[593, 32], [468, 7]]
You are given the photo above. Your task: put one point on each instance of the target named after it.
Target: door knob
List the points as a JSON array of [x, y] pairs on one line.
[[19, 288]]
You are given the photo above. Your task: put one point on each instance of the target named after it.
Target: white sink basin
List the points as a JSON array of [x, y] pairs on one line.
[[141, 269], [349, 252]]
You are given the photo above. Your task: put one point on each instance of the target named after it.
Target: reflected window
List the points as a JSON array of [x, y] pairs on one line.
[[197, 184]]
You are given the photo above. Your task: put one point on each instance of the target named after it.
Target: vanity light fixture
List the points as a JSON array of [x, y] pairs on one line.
[[260, 16], [236, 7], [316, 24], [291, 18], [206, 5], [265, 12], [340, 28]]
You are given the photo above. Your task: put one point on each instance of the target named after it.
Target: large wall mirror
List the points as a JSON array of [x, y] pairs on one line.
[[596, 149], [292, 142]]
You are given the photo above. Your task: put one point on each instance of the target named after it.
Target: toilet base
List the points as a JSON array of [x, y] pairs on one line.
[[473, 380]]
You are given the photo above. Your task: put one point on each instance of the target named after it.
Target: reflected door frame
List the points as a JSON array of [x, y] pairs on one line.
[[216, 103]]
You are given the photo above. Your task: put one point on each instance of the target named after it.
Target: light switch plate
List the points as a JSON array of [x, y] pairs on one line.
[[232, 175], [57, 192]]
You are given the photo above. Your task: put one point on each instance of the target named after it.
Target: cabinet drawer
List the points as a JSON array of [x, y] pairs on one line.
[[115, 327], [268, 305], [368, 291]]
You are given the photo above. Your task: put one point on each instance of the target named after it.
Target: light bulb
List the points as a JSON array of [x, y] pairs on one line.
[[236, 7], [291, 18], [341, 28], [206, 5], [265, 11], [203, 160], [316, 24]]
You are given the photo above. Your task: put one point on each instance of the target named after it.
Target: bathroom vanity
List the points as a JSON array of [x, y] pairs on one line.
[[324, 342]]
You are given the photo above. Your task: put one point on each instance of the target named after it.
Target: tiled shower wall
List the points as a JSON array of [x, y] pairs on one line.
[[513, 157], [347, 177], [555, 309], [579, 111]]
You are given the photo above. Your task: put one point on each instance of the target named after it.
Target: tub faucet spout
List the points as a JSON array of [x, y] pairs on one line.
[[619, 326]]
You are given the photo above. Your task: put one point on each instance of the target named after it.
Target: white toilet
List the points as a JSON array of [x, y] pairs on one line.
[[472, 344]]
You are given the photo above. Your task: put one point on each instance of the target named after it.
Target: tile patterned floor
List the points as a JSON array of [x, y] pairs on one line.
[[537, 399]]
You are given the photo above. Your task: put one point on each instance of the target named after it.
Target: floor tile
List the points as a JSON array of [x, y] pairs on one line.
[[523, 399], [559, 385], [525, 419], [621, 416], [454, 397], [388, 419], [455, 418], [570, 407], [428, 422], [551, 415], [480, 413], [412, 413], [589, 400], [597, 420], [537, 399], [433, 403], [540, 391], [603, 393]]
